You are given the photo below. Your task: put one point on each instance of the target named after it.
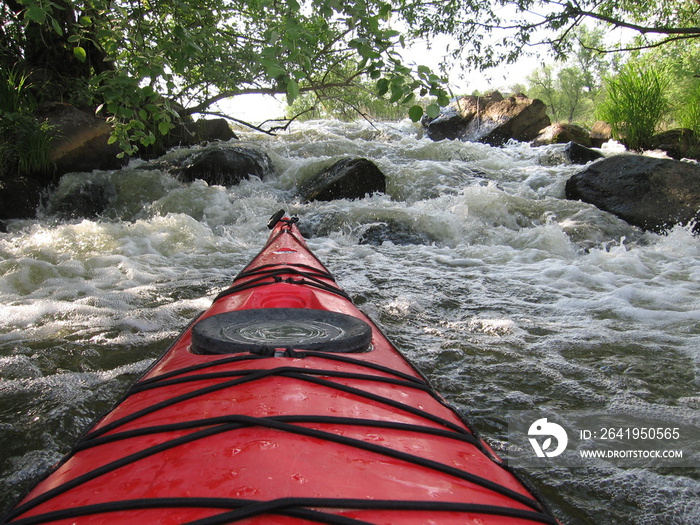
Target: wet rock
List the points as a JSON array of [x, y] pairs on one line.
[[654, 194], [79, 141], [350, 178], [225, 165], [562, 133], [452, 122], [82, 198], [517, 117], [601, 132], [578, 154], [449, 125], [19, 198], [200, 131], [394, 231], [492, 120], [677, 143]]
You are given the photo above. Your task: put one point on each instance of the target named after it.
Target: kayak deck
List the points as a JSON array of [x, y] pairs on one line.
[[250, 417]]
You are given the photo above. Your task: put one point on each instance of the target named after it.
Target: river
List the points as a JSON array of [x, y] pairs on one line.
[[506, 295]]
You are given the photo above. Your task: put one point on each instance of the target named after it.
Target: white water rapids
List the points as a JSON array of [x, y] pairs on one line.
[[506, 295]]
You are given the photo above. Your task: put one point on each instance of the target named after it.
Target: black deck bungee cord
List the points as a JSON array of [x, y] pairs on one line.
[[246, 421], [293, 507]]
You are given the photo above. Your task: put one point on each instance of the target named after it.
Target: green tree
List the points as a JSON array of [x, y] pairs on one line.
[[490, 32], [570, 87], [146, 64], [347, 102]]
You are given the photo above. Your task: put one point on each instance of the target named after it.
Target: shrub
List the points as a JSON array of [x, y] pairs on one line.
[[635, 103], [688, 112], [24, 141]]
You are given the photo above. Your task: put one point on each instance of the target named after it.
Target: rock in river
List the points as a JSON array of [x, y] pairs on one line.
[[350, 178], [654, 194]]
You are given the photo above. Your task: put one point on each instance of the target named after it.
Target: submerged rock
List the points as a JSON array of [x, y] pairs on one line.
[[81, 197], [654, 194], [396, 232], [19, 197], [350, 178], [225, 165]]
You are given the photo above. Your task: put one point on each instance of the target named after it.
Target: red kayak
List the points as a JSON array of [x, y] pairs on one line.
[[282, 403]]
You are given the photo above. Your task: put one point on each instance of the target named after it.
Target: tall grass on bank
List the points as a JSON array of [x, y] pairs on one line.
[[688, 113], [635, 103], [24, 141]]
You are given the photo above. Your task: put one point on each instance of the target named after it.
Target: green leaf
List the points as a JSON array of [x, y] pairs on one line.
[[433, 110], [443, 99], [56, 27], [80, 53], [292, 90], [36, 14], [415, 113], [382, 86], [272, 68], [127, 113], [164, 127], [149, 140], [385, 11], [396, 93]]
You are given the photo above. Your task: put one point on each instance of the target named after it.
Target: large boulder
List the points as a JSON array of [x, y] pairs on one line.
[[654, 194], [197, 132], [491, 119], [452, 122], [226, 165], [350, 178], [517, 117], [562, 133], [79, 141]]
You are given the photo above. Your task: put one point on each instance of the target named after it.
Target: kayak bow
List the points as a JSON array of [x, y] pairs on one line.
[[282, 403]]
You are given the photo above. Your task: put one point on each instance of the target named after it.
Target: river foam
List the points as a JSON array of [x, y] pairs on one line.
[[506, 295]]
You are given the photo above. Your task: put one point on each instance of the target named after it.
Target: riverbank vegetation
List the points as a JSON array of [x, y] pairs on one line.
[[638, 93], [24, 139], [145, 66]]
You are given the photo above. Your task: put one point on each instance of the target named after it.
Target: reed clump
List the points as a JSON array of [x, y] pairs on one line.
[[24, 141], [635, 104]]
